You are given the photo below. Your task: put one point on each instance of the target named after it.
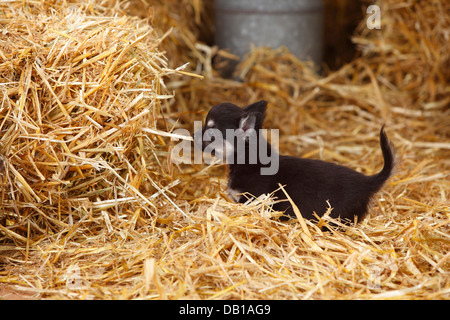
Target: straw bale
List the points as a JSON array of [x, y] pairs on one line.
[[113, 218], [78, 86]]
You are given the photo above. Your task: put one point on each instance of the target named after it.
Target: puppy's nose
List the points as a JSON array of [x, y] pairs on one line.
[[198, 139]]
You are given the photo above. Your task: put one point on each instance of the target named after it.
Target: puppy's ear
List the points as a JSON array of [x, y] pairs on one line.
[[253, 116], [251, 120], [259, 107]]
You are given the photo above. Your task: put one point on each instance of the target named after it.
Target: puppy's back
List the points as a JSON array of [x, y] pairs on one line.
[[311, 183]]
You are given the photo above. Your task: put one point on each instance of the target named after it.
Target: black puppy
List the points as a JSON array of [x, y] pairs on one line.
[[255, 168]]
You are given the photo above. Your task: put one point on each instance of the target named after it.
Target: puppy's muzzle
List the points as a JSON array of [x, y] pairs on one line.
[[198, 140]]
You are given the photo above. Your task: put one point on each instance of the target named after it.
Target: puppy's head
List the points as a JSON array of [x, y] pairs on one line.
[[227, 121]]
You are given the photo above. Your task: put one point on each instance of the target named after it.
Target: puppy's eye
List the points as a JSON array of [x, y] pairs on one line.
[[208, 135]]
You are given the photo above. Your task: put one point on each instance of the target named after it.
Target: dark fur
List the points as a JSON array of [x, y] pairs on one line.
[[310, 183]]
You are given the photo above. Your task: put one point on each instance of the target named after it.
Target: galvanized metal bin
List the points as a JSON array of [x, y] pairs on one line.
[[297, 24]]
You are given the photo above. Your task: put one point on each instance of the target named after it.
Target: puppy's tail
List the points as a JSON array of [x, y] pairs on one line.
[[389, 162]]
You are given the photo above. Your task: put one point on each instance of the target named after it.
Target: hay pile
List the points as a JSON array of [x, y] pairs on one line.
[[93, 208], [77, 90]]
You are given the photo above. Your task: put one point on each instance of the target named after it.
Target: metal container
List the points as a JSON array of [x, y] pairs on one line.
[[296, 24]]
